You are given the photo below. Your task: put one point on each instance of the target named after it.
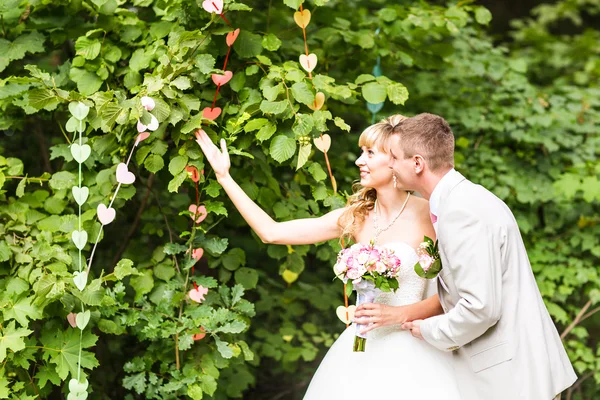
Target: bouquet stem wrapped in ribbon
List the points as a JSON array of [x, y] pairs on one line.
[[369, 270], [365, 293]]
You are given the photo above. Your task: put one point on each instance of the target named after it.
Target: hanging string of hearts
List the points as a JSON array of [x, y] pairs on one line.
[[80, 153], [309, 61], [216, 7], [198, 212]]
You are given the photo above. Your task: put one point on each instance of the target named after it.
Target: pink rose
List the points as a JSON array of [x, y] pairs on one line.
[[353, 273], [380, 267], [425, 260]]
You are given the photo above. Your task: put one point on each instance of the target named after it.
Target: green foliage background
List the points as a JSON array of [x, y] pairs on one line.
[[525, 110]]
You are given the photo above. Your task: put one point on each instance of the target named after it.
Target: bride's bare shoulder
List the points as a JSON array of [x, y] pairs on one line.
[[420, 205]]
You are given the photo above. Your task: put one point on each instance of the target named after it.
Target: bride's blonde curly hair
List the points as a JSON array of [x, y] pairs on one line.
[[363, 198]]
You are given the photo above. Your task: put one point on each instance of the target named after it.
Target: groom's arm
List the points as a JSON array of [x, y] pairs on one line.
[[474, 249]]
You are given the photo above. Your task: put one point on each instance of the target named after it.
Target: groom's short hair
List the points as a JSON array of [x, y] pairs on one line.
[[430, 136]]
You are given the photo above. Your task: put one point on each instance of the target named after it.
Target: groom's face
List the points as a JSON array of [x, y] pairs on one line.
[[403, 167]]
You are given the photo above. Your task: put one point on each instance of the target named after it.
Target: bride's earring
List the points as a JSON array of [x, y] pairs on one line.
[[395, 181]]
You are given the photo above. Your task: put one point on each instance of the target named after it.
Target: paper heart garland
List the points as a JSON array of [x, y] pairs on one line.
[[71, 318], [80, 153], [222, 79], [105, 215], [342, 311], [211, 114], [80, 279], [231, 37], [79, 238], [197, 253], [302, 18], [80, 194], [82, 319], [152, 126], [323, 143], [213, 6], [198, 212], [148, 103], [78, 110], [308, 62], [198, 293], [123, 175], [73, 124], [319, 102]]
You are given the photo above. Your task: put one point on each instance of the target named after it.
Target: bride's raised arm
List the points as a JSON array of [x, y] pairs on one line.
[[299, 231]]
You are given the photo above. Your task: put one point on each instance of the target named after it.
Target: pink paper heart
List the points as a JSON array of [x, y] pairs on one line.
[[198, 212], [211, 114], [71, 318], [198, 294], [222, 79], [231, 36], [141, 137], [123, 175], [105, 215], [308, 62], [197, 253], [213, 6]]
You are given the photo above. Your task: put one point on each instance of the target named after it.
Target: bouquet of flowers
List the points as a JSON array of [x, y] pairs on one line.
[[369, 270], [429, 264]]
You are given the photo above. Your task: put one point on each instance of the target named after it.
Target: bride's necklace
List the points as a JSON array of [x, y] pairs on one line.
[[376, 219]]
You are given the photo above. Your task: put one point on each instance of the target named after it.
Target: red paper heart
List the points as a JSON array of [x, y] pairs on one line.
[[197, 253], [222, 79], [211, 113], [198, 212], [231, 36], [199, 336], [71, 318], [193, 173]]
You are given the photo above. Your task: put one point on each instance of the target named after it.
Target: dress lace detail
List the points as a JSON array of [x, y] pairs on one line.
[[411, 286]]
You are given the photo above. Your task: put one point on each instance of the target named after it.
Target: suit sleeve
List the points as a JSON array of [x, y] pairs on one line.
[[474, 252]]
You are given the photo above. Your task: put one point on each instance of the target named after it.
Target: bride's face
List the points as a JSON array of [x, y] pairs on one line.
[[374, 167]]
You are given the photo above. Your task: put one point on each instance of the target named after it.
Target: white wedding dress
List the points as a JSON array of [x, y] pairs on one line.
[[395, 365]]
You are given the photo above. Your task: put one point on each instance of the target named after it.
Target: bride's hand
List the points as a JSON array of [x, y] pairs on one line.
[[218, 159], [376, 315]]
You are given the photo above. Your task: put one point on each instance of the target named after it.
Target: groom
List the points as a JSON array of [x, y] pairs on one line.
[[495, 321]]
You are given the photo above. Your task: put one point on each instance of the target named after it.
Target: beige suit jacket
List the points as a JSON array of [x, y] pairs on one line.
[[495, 321]]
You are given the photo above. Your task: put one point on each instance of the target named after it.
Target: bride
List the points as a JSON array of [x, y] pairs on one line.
[[394, 364]]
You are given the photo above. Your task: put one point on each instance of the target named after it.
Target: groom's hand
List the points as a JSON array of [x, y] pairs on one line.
[[414, 327]]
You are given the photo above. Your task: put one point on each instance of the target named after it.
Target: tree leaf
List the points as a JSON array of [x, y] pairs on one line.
[[154, 163], [397, 93], [282, 148], [12, 339], [374, 92]]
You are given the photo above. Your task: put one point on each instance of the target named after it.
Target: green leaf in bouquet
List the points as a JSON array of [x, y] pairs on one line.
[[432, 272], [349, 287]]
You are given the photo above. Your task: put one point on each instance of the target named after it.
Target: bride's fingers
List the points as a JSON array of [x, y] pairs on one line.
[[224, 148]]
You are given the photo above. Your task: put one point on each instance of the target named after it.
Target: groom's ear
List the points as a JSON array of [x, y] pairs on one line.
[[418, 163]]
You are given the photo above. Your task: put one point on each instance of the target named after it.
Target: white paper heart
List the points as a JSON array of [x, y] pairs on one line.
[[80, 194], [80, 153], [79, 238], [82, 320], [74, 125], [323, 143], [152, 126], [308, 62], [213, 6], [105, 215], [123, 175], [342, 311], [79, 110], [148, 103], [76, 386], [77, 396], [80, 279], [198, 294]]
